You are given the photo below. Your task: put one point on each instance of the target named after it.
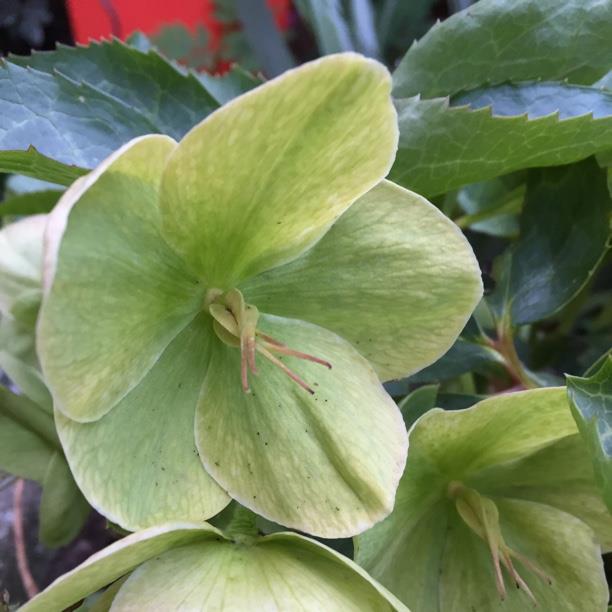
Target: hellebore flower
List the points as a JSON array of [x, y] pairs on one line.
[[498, 509], [21, 247], [197, 567], [256, 279], [29, 446]]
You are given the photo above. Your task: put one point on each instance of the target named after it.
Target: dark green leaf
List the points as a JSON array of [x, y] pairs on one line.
[[230, 85], [401, 21], [539, 100], [591, 403], [509, 40], [31, 203], [492, 206], [457, 401], [169, 99], [464, 356], [564, 234], [63, 509], [71, 123], [417, 403], [442, 147]]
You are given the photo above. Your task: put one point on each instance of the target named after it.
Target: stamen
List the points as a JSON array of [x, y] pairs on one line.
[[279, 347], [235, 323], [279, 364], [481, 515]]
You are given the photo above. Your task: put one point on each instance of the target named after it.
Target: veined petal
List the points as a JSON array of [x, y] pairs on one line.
[[546, 476], [114, 561], [497, 430], [280, 572], [326, 463], [393, 275], [119, 294], [262, 178], [138, 465]]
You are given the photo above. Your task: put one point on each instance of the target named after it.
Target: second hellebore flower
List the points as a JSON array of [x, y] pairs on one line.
[[256, 280]]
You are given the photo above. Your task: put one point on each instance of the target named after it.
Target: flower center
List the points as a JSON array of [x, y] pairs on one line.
[[235, 323], [481, 515]]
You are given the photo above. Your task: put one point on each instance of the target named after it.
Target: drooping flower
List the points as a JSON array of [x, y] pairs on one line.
[[256, 280], [197, 567], [498, 509]]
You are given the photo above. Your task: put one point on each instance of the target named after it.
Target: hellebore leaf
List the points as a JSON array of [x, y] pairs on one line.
[[507, 476], [384, 277], [591, 401], [539, 100], [492, 206], [119, 294], [301, 148], [63, 509], [464, 356], [115, 561], [417, 403], [64, 111], [172, 99], [72, 123], [196, 567], [285, 453], [564, 237], [147, 445], [443, 147], [501, 40]]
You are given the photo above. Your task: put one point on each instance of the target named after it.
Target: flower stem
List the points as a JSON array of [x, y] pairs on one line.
[[507, 349]]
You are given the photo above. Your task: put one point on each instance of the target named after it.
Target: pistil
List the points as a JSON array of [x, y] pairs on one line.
[[235, 323], [481, 515]]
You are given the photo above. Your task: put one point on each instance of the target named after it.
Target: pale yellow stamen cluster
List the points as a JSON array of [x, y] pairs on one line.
[[235, 323]]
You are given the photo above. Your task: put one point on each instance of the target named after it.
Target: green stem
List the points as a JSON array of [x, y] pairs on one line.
[[506, 347]]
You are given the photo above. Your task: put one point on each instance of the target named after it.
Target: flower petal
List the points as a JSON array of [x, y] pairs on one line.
[[326, 463], [279, 572], [546, 476], [138, 465], [393, 275], [114, 561], [20, 259], [497, 430], [262, 178], [119, 294]]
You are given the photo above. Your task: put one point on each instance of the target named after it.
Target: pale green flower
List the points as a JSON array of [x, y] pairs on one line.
[[256, 281], [197, 567], [498, 509]]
